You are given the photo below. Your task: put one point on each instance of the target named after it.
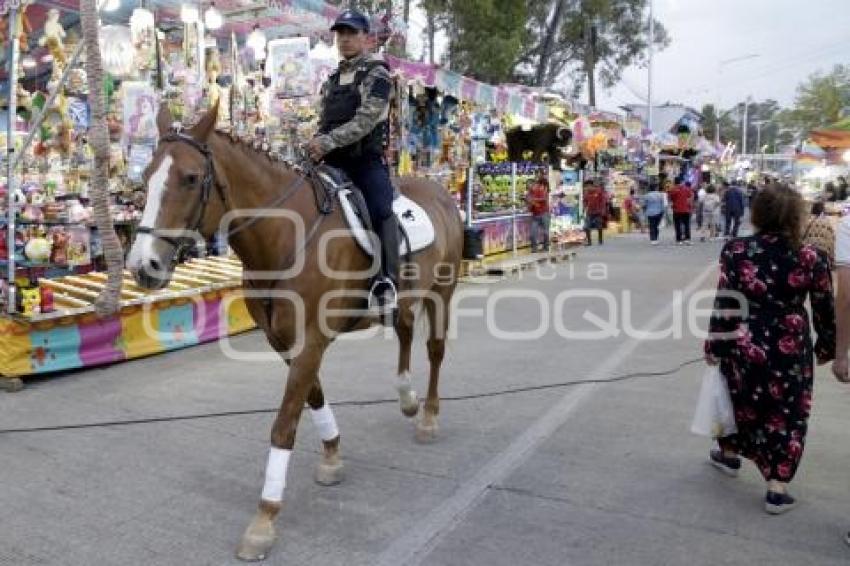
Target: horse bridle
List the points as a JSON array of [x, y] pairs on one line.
[[209, 181], [207, 184]]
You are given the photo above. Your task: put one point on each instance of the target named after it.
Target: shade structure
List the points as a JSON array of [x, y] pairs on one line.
[[836, 136]]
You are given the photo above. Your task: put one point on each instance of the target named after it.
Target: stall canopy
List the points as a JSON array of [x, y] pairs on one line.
[[277, 18], [503, 98], [836, 136]]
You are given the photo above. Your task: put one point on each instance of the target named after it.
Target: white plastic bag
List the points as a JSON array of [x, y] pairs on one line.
[[714, 416]]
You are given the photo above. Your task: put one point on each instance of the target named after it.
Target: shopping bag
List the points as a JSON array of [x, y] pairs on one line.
[[714, 416]]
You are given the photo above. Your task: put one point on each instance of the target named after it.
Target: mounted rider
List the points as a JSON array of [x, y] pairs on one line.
[[352, 137]]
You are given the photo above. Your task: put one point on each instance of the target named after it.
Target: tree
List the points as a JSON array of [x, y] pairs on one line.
[[729, 129], [107, 301], [766, 113], [821, 101], [605, 37], [437, 13], [486, 38]]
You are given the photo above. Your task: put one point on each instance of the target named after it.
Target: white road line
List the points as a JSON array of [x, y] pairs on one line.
[[413, 547]]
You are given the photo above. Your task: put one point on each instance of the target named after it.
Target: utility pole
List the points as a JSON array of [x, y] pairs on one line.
[[745, 126], [432, 32], [719, 74], [651, 52]]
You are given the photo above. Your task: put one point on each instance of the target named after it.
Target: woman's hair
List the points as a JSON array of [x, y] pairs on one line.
[[710, 189], [817, 208], [779, 209]]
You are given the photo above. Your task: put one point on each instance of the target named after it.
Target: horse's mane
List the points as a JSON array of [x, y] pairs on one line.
[[258, 149]]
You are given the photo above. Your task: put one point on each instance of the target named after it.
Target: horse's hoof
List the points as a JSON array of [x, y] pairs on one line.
[[426, 433], [257, 541], [409, 403], [329, 474]]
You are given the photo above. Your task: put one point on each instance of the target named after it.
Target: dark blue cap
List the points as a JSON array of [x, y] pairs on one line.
[[351, 19]]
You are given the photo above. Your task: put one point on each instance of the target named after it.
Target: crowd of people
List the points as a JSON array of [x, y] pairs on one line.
[[716, 210], [760, 335]]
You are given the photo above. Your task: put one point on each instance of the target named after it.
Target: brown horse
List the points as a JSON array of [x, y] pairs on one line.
[[305, 278]]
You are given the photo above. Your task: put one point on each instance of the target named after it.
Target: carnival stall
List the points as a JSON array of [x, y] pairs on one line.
[[185, 55], [453, 129]]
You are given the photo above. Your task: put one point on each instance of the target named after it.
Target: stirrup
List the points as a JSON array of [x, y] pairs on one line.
[[381, 288]]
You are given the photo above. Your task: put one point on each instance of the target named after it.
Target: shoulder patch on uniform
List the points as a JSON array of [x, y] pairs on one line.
[[381, 88]]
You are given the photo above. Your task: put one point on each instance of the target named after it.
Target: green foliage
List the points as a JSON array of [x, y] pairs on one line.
[[490, 34], [506, 40], [821, 101]]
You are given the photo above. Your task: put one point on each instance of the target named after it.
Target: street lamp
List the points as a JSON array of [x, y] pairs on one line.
[[720, 66]]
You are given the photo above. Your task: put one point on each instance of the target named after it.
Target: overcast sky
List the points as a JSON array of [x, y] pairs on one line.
[[792, 38]]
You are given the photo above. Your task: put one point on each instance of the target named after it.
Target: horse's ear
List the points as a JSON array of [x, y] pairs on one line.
[[164, 119], [202, 130]]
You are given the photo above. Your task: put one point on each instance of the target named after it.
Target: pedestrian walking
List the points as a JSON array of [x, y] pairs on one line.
[[733, 206], [842, 192], [537, 199], [830, 194], [710, 214], [633, 210], [766, 355], [819, 232], [682, 202], [699, 212], [654, 207], [596, 211], [842, 306]]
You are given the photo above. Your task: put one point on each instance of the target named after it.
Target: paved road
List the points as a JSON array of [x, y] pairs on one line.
[[585, 475]]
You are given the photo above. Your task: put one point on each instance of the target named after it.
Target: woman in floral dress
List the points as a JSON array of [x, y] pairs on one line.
[[760, 336]]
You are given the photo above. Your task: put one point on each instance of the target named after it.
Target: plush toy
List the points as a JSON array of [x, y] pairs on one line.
[[32, 213], [59, 250], [23, 25], [37, 250], [78, 213], [30, 301], [54, 37], [46, 299]]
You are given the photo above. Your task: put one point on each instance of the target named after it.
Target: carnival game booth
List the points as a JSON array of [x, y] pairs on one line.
[[453, 130], [185, 55]]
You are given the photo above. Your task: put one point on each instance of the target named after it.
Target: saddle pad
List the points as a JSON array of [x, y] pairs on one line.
[[412, 219]]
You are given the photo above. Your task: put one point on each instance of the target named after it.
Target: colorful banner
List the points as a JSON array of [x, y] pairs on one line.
[[499, 97]]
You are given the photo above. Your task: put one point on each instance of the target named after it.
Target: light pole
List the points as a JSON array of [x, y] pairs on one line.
[[720, 66], [745, 125], [651, 50]]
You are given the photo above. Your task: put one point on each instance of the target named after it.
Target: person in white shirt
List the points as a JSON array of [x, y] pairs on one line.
[[841, 367]]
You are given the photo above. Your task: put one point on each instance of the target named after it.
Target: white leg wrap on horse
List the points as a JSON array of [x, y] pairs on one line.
[[325, 422], [405, 386], [276, 474]]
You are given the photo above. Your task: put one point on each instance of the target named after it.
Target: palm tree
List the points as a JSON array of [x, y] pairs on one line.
[[107, 303]]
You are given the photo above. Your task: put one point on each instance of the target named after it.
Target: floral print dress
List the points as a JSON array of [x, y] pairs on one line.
[[765, 346]]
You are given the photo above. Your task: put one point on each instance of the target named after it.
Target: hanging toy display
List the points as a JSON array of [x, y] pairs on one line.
[[54, 37]]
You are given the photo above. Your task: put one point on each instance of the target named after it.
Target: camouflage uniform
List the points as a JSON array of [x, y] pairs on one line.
[[352, 132], [373, 110]]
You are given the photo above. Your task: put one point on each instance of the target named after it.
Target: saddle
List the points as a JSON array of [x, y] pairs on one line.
[[415, 226]]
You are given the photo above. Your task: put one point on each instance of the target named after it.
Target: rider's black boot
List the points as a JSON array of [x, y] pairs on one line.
[[384, 292]]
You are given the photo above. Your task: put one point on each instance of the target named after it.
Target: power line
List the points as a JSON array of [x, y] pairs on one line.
[[352, 403]]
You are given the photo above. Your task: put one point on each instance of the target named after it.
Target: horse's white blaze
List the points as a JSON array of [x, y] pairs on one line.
[[325, 422], [143, 247], [276, 474]]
